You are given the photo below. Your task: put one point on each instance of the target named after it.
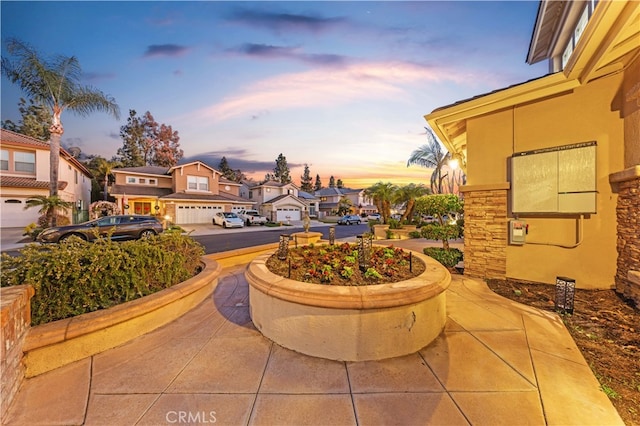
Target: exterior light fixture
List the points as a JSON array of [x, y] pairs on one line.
[[565, 291]]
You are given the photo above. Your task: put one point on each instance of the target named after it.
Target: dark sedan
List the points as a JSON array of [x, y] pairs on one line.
[[124, 227]]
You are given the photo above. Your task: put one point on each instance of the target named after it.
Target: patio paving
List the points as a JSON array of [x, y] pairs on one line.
[[497, 362]]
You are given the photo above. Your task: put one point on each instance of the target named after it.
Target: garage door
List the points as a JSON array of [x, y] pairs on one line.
[[288, 213], [195, 213], [13, 215]]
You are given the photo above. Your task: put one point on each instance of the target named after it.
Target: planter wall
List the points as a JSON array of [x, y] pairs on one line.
[[349, 323], [62, 342]]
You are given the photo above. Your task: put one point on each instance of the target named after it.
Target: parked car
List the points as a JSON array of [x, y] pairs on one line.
[[122, 227], [349, 219], [374, 216], [228, 220], [252, 217]]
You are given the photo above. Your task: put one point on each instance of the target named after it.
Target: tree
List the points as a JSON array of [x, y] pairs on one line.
[[431, 155], [34, 122], [50, 206], [306, 180], [339, 184], [147, 143], [281, 171], [225, 169], [332, 182], [101, 169], [382, 195], [317, 186], [344, 205], [56, 85], [406, 196], [441, 207]]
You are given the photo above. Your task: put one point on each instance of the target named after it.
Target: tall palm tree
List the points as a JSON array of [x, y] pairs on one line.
[[56, 85], [382, 195], [431, 155], [407, 196], [49, 206]]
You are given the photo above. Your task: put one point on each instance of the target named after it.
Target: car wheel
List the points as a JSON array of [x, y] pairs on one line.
[[147, 233], [224, 225], [248, 222], [67, 236]]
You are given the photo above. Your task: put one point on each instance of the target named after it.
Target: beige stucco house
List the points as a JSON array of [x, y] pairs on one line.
[[187, 193], [24, 173], [560, 153], [282, 202]]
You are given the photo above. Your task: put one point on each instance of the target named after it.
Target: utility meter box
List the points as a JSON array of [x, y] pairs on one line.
[[517, 232]]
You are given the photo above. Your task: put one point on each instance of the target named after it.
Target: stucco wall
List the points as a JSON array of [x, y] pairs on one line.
[[586, 114]]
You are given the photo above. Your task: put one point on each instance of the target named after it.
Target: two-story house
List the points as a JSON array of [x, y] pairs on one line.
[[186, 193], [282, 202], [24, 173], [330, 199]]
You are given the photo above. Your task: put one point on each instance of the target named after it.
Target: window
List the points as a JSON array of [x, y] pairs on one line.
[[24, 162], [140, 181], [4, 163], [197, 183], [75, 176]]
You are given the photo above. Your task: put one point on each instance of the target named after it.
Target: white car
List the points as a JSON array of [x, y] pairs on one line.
[[228, 220]]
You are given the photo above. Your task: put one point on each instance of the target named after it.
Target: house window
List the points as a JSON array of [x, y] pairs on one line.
[[75, 176], [131, 179], [24, 162], [197, 183], [4, 162], [141, 181], [152, 181]]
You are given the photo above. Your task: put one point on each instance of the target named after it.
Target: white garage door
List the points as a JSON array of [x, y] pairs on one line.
[[13, 215], [288, 213], [195, 213]]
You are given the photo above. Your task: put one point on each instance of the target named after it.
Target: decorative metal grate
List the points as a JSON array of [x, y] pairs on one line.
[[565, 292], [283, 246], [365, 244]]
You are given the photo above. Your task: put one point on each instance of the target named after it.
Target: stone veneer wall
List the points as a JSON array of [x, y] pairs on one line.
[[628, 213], [15, 319], [485, 233]]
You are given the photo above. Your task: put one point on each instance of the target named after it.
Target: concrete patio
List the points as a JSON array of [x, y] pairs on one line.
[[497, 362]]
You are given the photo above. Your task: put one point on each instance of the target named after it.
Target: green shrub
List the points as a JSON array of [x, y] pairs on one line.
[[448, 257], [415, 234], [394, 224], [75, 277]]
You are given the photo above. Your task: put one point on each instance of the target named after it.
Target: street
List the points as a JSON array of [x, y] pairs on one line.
[[220, 242]]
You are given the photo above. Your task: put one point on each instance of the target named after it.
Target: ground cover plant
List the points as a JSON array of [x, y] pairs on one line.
[[605, 327], [338, 264], [76, 277]]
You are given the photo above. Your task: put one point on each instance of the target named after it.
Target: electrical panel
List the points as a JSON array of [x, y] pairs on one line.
[[517, 232]]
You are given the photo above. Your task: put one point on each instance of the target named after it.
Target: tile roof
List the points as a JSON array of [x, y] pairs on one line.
[[24, 182]]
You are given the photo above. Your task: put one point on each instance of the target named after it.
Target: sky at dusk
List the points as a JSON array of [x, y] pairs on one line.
[[341, 86]]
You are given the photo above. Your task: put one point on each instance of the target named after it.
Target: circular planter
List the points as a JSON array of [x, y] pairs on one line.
[[346, 323]]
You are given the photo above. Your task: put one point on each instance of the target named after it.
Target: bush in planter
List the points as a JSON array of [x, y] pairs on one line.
[[447, 257], [75, 277], [440, 206]]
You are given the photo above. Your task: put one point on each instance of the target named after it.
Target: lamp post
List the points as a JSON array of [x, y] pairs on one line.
[[365, 244]]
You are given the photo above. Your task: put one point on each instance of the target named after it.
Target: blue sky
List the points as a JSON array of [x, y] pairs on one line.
[[341, 86]]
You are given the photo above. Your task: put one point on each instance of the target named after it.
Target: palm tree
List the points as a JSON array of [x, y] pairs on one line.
[[104, 168], [431, 155], [382, 194], [49, 206], [56, 85], [407, 196]]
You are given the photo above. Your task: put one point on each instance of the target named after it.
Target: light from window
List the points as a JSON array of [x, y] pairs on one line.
[[24, 162], [152, 181], [4, 162]]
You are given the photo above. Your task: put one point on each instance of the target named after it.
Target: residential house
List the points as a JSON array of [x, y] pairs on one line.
[[557, 156], [330, 200], [183, 194], [25, 172], [282, 202]]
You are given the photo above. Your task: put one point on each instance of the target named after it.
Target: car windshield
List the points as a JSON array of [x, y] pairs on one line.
[[230, 215]]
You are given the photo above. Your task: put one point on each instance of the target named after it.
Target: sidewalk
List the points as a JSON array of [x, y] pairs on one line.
[[497, 362]]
